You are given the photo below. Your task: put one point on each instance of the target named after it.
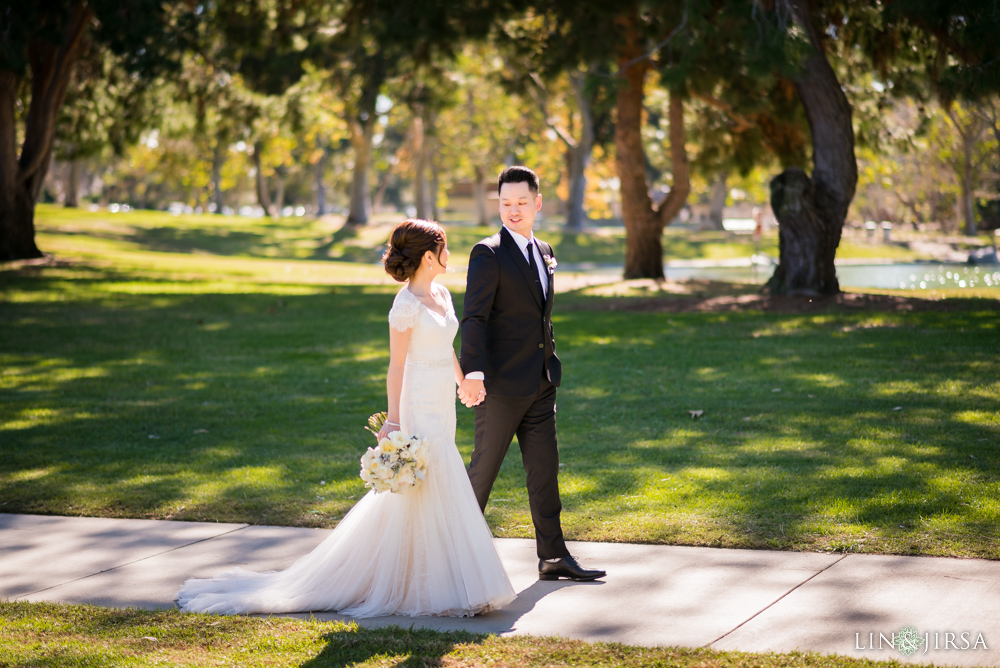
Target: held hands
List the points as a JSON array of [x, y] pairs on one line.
[[471, 392]]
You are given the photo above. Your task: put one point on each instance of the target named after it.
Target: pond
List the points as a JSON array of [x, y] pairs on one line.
[[909, 276]]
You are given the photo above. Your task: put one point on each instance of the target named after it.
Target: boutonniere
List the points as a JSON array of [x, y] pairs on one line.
[[550, 262]]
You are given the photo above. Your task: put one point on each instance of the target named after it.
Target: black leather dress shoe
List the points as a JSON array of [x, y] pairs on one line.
[[566, 568]]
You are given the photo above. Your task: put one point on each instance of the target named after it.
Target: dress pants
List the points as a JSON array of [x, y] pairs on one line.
[[533, 420]]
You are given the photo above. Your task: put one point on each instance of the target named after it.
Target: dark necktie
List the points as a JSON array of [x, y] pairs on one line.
[[534, 270]]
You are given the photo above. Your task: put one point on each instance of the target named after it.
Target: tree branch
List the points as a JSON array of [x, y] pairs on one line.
[[539, 95], [741, 122], [679, 165], [629, 63], [48, 96]]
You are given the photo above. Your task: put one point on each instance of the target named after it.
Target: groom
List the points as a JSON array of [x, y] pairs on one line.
[[511, 369]]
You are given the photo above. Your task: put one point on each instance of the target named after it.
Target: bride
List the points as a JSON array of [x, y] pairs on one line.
[[427, 551]]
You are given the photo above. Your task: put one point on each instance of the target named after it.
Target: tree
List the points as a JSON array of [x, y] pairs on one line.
[[374, 42], [644, 223], [42, 43], [106, 110], [811, 210], [970, 129], [572, 100], [486, 126]]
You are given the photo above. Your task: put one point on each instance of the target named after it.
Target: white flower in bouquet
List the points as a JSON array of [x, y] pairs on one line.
[[405, 477], [422, 454], [398, 463]]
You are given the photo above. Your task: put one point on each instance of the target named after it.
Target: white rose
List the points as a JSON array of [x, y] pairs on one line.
[[423, 457], [398, 439], [405, 477]]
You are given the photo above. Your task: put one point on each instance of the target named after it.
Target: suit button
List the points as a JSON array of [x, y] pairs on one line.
[[541, 345]]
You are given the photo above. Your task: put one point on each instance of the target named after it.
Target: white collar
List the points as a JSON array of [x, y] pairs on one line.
[[521, 240]]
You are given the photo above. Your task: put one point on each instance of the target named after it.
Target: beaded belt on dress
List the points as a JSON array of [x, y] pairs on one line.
[[447, 361]]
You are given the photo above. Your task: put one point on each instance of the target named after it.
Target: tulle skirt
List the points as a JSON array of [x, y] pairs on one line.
[[428, 551]]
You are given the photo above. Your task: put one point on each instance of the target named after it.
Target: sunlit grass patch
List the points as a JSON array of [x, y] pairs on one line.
[[75, 635], [231, 387]]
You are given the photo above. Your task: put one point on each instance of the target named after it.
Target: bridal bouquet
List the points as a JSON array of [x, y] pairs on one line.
[[397, 463]]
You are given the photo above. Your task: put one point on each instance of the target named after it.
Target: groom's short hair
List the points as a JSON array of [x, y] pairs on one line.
[[519, 174]]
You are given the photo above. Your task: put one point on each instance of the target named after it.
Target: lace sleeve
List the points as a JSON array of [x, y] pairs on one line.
[[404, 311]]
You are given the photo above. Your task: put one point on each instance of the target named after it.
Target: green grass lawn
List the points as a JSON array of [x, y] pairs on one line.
[[160, 384], [99, 233], [46, 634]]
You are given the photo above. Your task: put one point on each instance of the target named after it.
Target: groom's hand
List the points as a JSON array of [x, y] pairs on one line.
[[471, 392]]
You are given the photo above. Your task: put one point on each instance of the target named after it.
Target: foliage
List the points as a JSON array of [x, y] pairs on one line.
[[914, 175]]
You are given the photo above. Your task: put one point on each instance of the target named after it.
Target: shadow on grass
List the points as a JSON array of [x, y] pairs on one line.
[[810, 425], [215, 240], [229, 407], [409, 648], [250, 407]]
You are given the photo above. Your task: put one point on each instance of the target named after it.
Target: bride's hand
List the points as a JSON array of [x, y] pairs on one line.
[[386, 430]]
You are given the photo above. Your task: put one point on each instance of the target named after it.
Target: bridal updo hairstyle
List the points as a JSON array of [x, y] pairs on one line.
[[408, 243]]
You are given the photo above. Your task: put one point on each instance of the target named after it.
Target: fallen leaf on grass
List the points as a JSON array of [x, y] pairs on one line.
[[696, 414]]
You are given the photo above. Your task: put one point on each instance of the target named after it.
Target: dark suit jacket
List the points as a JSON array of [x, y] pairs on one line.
[[506, 329]]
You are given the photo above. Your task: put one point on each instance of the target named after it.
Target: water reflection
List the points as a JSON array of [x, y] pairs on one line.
[[909, 276]]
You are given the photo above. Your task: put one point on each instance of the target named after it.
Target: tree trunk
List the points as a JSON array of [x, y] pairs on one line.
[[435, 186], [643, 243], [716, 203], [218, 157], [319, 174], [644, 225], [72, 200], [21, 178], [482, 217], [965, 203], [579, 157], [362, 134], [421, 185], [380, 188], [811, 211], [263, 194], [279, 195]]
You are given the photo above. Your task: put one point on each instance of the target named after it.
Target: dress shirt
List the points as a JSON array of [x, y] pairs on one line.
[[522, 243]]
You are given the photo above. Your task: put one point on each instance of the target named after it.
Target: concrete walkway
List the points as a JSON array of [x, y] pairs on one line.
[[653, 595]]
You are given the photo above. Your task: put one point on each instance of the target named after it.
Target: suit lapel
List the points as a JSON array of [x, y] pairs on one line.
[[515, 252]]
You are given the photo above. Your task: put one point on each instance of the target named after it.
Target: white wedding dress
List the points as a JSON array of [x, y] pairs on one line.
[[424, 552]]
